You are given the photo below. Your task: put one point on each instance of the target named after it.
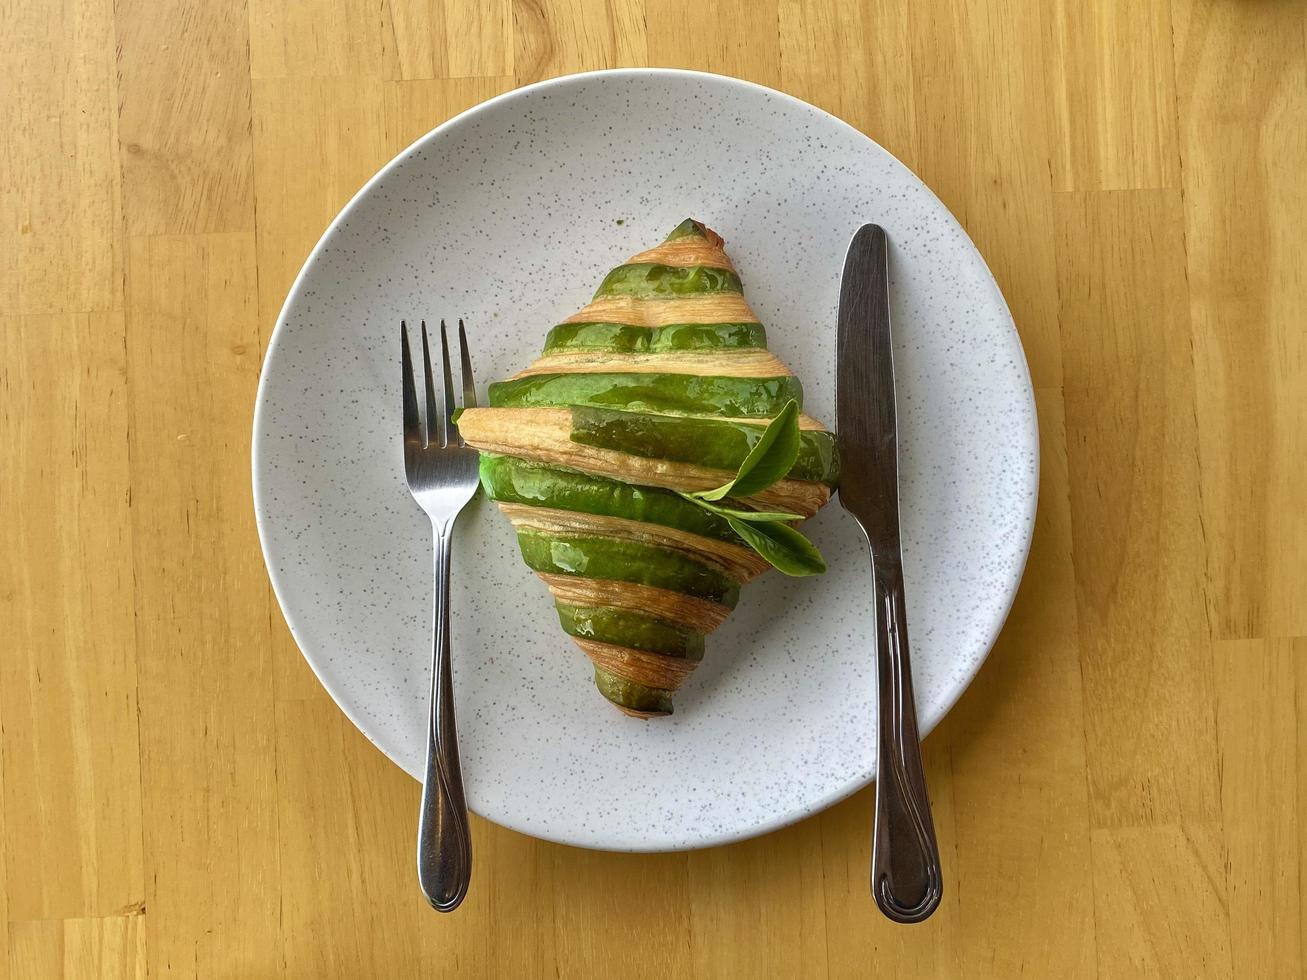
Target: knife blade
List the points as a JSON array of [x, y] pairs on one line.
[[866, 418], [906, 878]]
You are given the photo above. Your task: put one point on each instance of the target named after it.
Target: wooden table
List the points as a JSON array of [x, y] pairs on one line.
[[1122, 792]]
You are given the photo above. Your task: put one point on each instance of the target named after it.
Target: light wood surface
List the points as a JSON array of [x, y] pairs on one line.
[[1121, 793]]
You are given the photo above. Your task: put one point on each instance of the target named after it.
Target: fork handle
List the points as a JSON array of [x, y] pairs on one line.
[[444, 837], [906, 880]]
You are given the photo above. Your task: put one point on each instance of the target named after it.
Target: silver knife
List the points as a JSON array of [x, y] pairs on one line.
[[906, 880]]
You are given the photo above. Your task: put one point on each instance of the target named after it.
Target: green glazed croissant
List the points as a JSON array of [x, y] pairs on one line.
[[661, 384]]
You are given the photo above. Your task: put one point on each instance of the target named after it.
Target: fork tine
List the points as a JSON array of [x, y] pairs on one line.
[[469, 387], [449, 384], [412, 420], [435, 426]]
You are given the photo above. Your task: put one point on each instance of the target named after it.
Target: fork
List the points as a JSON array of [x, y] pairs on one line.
[[442, 476]]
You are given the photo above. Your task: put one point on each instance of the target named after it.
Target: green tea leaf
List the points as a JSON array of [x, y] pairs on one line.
[[761, 516], [787, 549], [771, 457], [767, 532], [756, 516]]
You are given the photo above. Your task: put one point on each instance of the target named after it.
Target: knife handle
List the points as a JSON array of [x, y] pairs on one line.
[[906, 879]]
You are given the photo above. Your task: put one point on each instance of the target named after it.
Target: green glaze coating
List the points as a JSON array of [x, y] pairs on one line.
[[630, 629], [686, 229], [516, 481], [656, 415], [625, 561], [713, 443], [623, 338], [680, 394], [649, 279], [631, 695]]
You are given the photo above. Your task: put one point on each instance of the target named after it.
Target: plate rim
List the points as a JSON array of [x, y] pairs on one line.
[[258, 452]]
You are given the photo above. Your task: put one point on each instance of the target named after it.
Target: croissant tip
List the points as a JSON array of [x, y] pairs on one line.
[[642, 715]]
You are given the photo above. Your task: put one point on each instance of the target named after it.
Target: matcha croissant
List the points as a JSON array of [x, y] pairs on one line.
[[658, 388]]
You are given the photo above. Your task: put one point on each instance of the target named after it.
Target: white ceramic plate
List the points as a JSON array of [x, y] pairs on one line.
[[509, 216]]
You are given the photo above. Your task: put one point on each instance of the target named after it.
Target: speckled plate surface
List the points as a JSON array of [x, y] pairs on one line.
[[509, 215]]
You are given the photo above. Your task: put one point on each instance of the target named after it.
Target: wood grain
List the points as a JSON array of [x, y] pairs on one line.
[[979, 95], [325, 38], [562, 36], [1023, 862], [61, 247], [186, 142], [871, 84], [1119, 794], [1133, 459], [730, 37], [68, 679], [109, 948], [202, 612], [6, 924], [478, 38], [1113, 97], [1143, 930], [1242, 94], [1262, 694]]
